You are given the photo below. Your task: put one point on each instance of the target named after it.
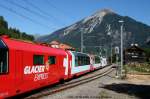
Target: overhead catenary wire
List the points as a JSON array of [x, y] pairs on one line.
[[23, 16], [27, 9], [60, 10], [48, 15]]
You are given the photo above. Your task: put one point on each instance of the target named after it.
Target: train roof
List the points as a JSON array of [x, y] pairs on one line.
[[79, 53], [29, 46]]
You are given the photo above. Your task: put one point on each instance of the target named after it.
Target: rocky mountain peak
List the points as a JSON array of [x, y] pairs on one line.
[[98, 25], [98, 15], [90, 21], [103, 12], [95, 20]]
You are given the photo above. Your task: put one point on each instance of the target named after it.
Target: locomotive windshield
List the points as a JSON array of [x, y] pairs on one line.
[[3, 58]]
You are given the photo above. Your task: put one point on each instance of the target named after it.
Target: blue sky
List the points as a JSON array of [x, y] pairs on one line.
[[47, 16]]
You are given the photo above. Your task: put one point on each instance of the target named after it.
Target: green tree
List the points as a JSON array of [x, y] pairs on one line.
[[3, 23], [13, 32]]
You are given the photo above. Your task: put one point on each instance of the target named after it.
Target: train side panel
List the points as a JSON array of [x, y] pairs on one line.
[[30, 68], [7, 77], [47, 73]]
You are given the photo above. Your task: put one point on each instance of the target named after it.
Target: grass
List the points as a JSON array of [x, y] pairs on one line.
[[137, 68]]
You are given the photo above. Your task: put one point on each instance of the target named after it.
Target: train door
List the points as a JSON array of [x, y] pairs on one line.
[[18, 68], [5, 77], [53, 68], [69, 64], [65, 64]]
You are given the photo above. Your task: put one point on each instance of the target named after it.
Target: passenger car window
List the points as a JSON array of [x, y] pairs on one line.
[[76, 60], [3, 61], [97, 59], [3, 58], [52, 60], [38, 59]]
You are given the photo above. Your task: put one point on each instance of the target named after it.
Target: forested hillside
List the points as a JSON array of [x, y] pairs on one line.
[[13, 32]]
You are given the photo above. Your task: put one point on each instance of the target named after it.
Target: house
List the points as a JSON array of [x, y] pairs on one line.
[[54, 44], [134, 54], [57, 44]]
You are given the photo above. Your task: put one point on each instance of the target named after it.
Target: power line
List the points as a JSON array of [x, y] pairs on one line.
[[60, 10], [27, 9], [41, 11], [23, 16]]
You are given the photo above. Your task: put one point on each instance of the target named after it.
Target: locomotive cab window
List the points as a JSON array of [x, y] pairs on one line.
[[38, 59], [3, 58], [52, 60]]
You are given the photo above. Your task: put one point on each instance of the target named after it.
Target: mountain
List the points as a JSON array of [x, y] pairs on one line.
[[101, 30]]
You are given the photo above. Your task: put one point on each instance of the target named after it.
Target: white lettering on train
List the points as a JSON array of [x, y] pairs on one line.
[[40, 72], [34, 69], [40, 76]]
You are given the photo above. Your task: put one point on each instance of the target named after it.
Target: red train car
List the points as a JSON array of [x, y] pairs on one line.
[[27, 66]]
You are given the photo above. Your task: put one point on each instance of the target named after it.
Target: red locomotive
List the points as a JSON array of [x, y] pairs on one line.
[[27, 66]]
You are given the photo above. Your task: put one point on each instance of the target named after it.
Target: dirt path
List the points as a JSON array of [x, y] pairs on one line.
[[138, 79]]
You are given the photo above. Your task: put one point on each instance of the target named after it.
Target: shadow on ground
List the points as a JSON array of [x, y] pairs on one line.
[[140, 91]]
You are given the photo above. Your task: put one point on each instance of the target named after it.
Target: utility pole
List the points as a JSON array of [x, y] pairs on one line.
[[109, 32], [105, 49], [117, 61], [81, 41], [111, 53], [100, 53], [121, 28]]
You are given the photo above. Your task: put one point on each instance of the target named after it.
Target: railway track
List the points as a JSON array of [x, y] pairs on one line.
[[68, 85]]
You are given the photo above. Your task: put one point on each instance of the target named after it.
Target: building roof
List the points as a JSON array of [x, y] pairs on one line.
[[65, 46], [134, 48], [54, 42], [57, 44]]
